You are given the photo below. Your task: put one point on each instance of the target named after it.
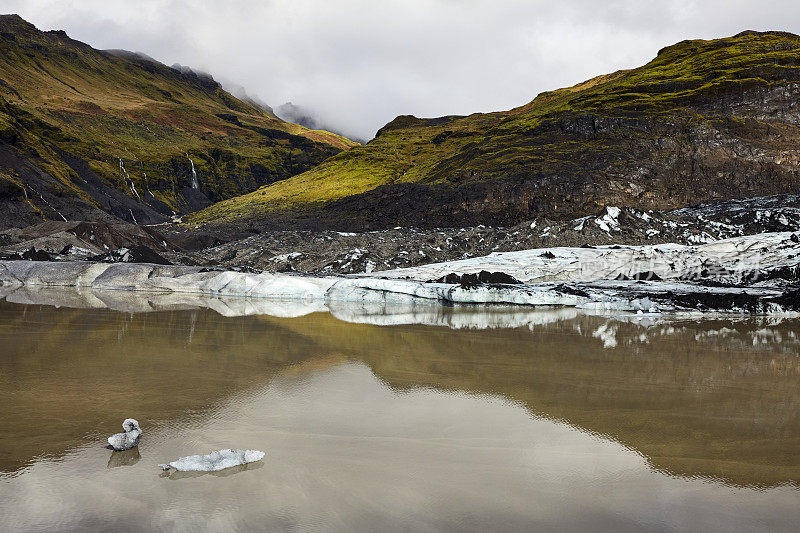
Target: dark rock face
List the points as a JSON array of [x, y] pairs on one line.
[[134, 254], [87, 241], [484, 277], [31, 254], [197, 240], [640, 276], [328, 251], [102, 234], [645, 164], [743, 301]]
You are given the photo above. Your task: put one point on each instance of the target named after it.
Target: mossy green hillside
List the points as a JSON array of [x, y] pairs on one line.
[[602, 125], [59, 95]]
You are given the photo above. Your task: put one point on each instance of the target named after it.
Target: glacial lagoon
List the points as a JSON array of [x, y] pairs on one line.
[[424, 418]]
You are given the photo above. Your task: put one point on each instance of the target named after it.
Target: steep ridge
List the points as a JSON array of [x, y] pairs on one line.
[[703, 121], [90, 134]]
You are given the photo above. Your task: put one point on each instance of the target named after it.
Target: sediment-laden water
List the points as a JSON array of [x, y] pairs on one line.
[[544, 420]]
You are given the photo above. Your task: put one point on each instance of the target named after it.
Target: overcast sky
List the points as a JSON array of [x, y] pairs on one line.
[[360, 63]]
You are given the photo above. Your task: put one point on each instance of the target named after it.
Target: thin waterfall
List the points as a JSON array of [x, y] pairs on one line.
[[128, 179], [147, 184], [48, 204], [195, 184]]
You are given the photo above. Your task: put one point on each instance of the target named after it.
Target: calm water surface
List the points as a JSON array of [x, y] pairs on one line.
[[562, 422]]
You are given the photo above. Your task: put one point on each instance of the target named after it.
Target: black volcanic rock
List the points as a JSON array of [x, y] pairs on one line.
[[134, 254], [484, 277]]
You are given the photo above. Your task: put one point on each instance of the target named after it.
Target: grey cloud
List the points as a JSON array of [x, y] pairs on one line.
[[360, 63]]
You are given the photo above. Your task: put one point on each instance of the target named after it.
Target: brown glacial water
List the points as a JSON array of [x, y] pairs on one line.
[[564, 422]]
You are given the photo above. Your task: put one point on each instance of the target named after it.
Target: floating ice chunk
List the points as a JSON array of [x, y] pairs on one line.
[[214, 461], [127, 440]]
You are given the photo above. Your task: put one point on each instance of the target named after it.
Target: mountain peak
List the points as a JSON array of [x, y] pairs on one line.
[[13, 23], [778, 33], [13, 27], [750, 38]]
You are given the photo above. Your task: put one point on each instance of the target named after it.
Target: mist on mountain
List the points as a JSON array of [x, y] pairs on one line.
[[311, 119]]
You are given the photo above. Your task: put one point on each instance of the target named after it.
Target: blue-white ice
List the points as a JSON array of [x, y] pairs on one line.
[[214, 461], [604, 277]]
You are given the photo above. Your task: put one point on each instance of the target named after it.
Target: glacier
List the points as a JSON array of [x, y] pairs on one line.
[[751, 274]]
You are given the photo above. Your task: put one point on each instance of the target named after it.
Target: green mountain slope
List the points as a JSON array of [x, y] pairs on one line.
[[703, 120], [84, 131]]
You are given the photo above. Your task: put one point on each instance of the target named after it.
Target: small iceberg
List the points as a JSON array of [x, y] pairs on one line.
[[129, 439], [214, 461]]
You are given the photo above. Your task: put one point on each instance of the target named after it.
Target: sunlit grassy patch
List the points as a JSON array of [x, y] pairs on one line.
[[103, 107], [676, 85]]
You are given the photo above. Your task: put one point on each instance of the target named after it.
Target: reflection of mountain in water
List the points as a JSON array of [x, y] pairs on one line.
[[714, 399]]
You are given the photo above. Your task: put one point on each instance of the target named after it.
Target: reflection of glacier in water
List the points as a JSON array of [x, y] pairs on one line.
[[777, 332], [349, 453], [493, 417]]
